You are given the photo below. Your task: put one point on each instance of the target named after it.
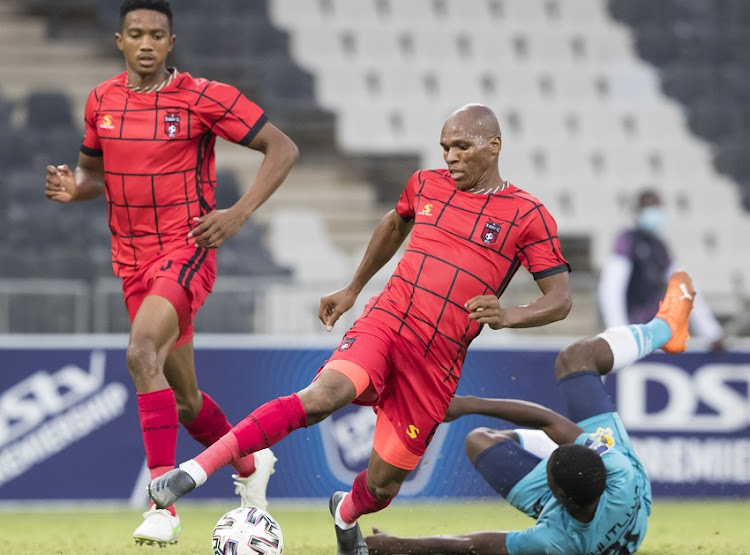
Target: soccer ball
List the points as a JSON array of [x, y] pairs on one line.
[[247, 531]]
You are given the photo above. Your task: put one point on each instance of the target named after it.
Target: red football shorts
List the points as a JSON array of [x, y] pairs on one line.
[[405, 387], [183, 276]]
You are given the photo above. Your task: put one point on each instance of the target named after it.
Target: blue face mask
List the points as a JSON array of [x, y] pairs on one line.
[[651, 219]]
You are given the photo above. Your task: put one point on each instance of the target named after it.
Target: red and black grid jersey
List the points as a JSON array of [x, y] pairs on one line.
[[158, 150], [462, 245]]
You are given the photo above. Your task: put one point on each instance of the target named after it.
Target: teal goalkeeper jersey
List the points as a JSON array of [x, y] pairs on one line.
[[619, 524]]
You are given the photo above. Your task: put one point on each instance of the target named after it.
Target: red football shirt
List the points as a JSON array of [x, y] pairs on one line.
[[462, 245], [158, 150]]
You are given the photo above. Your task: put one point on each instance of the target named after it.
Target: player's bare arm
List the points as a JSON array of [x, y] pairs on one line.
[[385, 241], [522, 413], [85, 183], [476, 543], [554, 304], [280, 153]]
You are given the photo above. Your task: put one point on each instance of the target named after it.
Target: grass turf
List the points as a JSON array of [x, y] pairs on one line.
[[675, 527]]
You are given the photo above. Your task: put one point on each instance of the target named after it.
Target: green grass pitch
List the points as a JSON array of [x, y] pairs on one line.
[[704, 527]]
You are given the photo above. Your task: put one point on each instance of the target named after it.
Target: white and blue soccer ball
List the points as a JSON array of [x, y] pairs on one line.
[[247, 531]]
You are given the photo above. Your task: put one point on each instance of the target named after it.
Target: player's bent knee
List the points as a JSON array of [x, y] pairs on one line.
[[321, 400], [141, 359], [575, 358], [480, 439]]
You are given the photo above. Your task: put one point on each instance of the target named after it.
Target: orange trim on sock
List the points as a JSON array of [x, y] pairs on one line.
[[389, 446], [358, 376]]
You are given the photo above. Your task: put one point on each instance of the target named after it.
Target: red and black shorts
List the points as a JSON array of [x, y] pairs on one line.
[[406, 388], [183, 276]]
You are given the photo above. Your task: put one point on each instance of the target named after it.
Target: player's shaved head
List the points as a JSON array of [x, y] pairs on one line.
[[471, 144], [477, 119]]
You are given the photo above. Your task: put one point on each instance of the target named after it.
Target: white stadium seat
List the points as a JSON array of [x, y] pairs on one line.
[[585, 122]]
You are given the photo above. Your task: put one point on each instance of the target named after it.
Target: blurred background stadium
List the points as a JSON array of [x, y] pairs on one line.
[[596, 99]]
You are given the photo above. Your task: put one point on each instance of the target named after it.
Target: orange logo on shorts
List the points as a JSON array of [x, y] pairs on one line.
[[412, 431]]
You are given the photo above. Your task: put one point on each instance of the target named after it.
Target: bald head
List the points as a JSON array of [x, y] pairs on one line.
[[471, 144], [477, 119]]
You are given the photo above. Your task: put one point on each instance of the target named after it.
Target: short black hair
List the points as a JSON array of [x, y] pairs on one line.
[[579, 472], [648, 197], [161, 6]]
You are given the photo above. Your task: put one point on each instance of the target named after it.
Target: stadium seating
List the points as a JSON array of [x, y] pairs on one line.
[[576, 104], [596, 98]]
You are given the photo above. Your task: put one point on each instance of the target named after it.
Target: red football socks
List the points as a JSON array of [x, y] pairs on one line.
[[265, 426], [158, 414], [360, 501], [210, 425]]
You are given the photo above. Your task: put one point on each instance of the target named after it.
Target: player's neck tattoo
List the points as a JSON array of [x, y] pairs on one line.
[[488, 190], [171, 74]]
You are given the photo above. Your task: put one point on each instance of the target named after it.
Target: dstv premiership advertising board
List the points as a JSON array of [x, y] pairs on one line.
[[69, 426]]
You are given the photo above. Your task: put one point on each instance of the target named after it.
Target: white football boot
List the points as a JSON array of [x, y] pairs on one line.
[[252, 490], [159, 527]]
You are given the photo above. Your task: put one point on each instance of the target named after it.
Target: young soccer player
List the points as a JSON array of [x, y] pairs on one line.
[[470, 232], [149, 147], [590, 495]]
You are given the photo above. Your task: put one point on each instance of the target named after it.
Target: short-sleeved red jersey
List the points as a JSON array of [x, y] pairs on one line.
[[158, 150], [462, 245]]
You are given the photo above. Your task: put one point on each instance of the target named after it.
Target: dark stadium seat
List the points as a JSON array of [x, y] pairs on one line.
[[287, 83], [15, 151], [250, 259], [690, 84], [232, 40], [227, 188], [246, 254], [58, 145], [716, 122], [637, 12], [62, 261], [227, 312], [656, 45], [734, 14], [23, 185], [735, 84], [704, 46], [48, 109], [686, 45], [6, 110], [692, 14], [734, 159], [17, 263]]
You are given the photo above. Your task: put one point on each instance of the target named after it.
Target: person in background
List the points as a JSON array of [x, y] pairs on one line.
[[635, 275]]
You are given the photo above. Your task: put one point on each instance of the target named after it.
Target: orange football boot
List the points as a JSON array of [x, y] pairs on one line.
[[675, 309]]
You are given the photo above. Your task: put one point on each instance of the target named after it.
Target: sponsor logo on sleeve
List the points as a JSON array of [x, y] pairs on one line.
[[107, 122]]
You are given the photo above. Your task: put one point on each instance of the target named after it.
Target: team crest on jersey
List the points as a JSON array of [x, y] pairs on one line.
[[490, 233], [604, 435], [172, 124], [107, 122], [426, 210], [347, 343]]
